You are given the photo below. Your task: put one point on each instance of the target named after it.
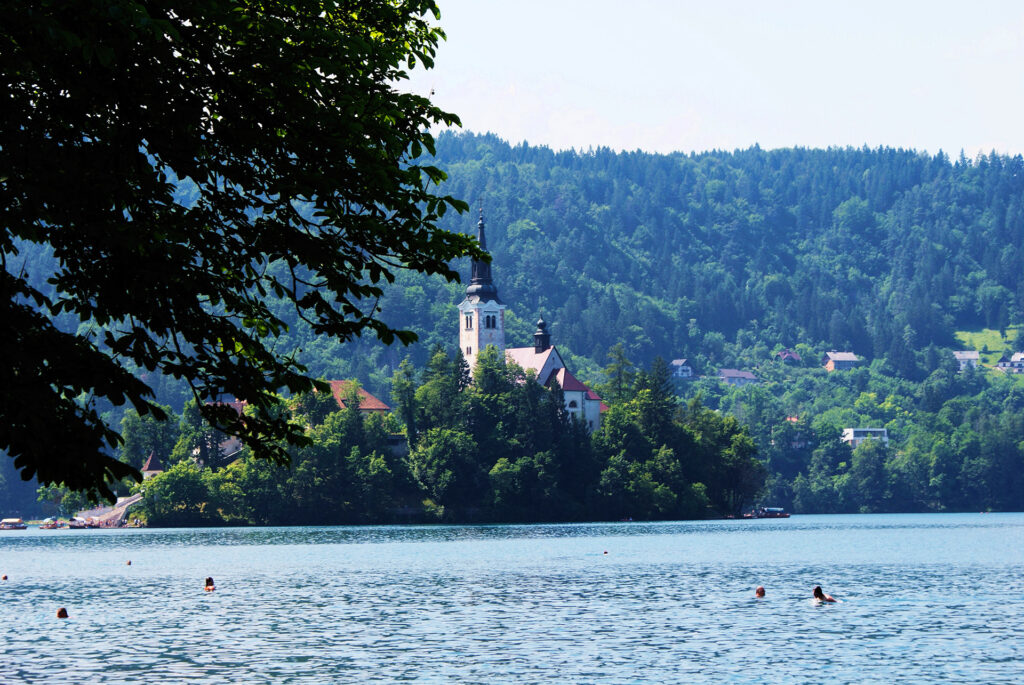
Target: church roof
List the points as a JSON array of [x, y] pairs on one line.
[[528, 358], [568, 381]]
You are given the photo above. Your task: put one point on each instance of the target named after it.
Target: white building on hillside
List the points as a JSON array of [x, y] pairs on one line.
[[855, 436]]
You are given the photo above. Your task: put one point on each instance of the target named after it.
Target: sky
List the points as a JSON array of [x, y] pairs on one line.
[[694, 76]]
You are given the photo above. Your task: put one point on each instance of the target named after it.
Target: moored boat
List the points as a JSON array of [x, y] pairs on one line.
[[12, 524], [770, 513]]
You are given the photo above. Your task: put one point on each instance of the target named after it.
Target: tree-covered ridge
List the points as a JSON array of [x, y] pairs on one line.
[[880, 251]]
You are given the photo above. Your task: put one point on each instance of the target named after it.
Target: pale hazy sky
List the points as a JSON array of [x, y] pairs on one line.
[[665, 76]]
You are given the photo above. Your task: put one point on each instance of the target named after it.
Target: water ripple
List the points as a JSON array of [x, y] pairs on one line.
[[925, 599]]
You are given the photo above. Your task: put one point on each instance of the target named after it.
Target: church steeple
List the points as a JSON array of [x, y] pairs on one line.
[[482, 314], [481, 283], [541, 338]]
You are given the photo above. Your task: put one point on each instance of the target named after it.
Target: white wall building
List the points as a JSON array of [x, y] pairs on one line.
[[855, 436]]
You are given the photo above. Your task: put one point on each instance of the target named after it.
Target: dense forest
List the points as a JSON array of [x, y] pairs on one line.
[[725, 258]]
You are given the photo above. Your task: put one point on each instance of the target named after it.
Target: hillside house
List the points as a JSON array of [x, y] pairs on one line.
[[736, 377], [839, 361], [855, 436], [788, 356], [1011, 363], [152, 467], [967, 359], [681, 369]]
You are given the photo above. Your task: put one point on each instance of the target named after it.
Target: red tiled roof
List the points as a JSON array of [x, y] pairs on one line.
[[568, 381], [153, 463], [367, 402]]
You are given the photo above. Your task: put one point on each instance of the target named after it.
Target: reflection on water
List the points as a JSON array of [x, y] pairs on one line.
[[926, 598]]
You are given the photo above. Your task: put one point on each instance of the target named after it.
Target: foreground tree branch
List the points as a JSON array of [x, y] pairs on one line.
[[182, 162]]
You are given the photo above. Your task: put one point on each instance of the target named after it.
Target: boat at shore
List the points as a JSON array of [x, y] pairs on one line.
[[768, 513], [12, 524]]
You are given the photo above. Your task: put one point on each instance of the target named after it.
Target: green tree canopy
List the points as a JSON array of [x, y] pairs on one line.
[[180, 164]]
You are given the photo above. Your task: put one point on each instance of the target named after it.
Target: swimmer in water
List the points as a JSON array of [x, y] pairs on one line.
[[62, 613], [759, 592], [821, 596], [209, 585]]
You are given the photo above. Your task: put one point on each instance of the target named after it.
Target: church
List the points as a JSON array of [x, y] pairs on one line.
[[482, 323]]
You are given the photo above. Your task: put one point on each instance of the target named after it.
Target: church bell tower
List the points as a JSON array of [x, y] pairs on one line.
[[481, 314]]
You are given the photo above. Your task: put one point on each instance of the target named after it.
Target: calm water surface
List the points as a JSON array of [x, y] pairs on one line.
[[926, 598]]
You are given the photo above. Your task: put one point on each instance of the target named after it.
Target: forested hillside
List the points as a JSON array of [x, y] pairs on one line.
[[879, 251], [724, 258]]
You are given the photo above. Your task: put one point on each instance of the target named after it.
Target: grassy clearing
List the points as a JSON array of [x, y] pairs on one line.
[[990, 339]]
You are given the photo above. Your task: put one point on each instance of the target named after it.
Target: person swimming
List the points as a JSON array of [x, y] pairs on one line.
[[759, 592], [209, 587], [821, 596]]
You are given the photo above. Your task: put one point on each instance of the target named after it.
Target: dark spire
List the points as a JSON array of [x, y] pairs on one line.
[[541, 338], [481, 284]]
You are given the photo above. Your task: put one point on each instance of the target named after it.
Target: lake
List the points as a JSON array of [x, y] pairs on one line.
[[931, 597]]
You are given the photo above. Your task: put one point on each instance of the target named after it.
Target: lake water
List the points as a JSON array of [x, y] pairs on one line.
[[925, 598]]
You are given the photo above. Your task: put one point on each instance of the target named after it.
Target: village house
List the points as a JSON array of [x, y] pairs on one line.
[[967, 359], [839, 361], [855, 436], [1011, 363], [482, 323], [368, 404], [681, 369], [788, 356], [152, 467], [736, 377]]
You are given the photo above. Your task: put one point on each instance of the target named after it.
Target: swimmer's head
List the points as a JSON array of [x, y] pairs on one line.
[[818, 594], [759, 592], [62, 613]]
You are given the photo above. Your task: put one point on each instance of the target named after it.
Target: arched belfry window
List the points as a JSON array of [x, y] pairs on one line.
[[469, 322], [469, 351]]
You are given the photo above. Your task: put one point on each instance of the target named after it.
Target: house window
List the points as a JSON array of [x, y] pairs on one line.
[[572, 404]]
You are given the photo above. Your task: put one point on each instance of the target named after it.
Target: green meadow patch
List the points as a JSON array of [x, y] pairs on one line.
[[989, 342]]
